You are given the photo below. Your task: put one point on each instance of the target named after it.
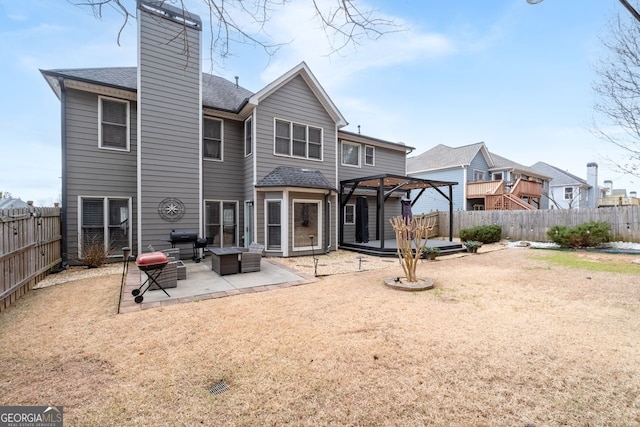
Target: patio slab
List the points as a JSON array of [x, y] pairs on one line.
[[203, 283]]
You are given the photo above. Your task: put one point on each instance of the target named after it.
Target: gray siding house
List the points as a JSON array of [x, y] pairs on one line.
[[487, 181], [163, 146]]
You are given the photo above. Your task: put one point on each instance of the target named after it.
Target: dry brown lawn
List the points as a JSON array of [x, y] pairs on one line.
[[504, 339]]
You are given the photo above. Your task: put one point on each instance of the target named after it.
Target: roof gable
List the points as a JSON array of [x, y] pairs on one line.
[[303, 71], [558, 176], [444, 157]]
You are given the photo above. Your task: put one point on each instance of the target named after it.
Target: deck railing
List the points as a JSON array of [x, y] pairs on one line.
[[482, 188]]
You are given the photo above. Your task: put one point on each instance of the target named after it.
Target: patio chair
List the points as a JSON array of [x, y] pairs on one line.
[[250, 258]]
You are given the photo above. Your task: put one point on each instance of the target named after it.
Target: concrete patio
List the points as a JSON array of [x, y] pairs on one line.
[[202, 283]]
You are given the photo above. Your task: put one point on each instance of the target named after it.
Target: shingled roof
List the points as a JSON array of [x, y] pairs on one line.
[[442, 156], [217, 92], [559, 177], [285, 176]]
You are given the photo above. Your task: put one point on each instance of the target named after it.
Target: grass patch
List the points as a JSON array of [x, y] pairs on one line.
[[582, 261]]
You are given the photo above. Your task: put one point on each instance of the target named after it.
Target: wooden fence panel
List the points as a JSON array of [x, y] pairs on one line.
[[533, 225], [29, 248]]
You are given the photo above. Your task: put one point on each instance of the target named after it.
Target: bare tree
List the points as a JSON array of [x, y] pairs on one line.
[[243, 21], [618, 90]]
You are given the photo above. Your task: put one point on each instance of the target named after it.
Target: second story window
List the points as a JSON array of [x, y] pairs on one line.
[[350, 154], [248, 137], [212, 139], [114, 124], [369, 155], [296, 140], [478, 175]]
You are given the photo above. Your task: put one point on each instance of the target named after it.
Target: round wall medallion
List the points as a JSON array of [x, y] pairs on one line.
[[171, 209]]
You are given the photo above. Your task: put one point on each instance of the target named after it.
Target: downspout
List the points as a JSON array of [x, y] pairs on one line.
[[327, 222], [64, 242]]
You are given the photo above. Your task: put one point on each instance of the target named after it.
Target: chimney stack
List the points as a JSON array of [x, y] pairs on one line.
[[609, 184], [592, 180]]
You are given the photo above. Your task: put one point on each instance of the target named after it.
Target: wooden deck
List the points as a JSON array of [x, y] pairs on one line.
[[389, 248]]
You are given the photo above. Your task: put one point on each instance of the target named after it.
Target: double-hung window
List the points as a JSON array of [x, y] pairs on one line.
[[349, 214], [212, 148], [568, 193], [298, 140], [114, 124], [104, 221], [350, 154], [369, 155]]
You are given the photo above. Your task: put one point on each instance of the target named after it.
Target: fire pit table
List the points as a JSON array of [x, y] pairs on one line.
[[225, 260]]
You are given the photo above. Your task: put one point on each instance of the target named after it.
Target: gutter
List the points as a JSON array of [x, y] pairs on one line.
[[64, 242]]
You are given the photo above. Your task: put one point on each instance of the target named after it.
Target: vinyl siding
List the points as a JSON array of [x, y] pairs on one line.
[[92, 171], [294, 102], [170, 111], [387, 161], [224, 180], [431, 200], [480, 164]]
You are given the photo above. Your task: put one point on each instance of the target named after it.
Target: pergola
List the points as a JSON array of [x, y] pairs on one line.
[[384, 186]]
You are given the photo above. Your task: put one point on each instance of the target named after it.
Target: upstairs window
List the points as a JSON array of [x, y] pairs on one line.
[[350, 154], [478, 175], [297, 140], [212, 139], [114, 124], [369, 155], [248, 137]]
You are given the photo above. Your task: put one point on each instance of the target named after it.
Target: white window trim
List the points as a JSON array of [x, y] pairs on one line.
[[105, 222], [342, 155], [283, 240], [477, 171], [564, 191], [209, 159], [128, 108], [352, 205], [306, 126], [373, 156], [318, 239], [249, 119]]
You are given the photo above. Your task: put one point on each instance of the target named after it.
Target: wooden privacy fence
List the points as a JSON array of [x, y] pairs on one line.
[[29, 248], [533, 225]]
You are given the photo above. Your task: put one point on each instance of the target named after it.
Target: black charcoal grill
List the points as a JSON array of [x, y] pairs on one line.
[[178, 237]]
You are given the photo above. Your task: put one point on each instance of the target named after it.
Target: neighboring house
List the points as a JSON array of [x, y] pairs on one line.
[[163, 146], [487, 181], [13, 204], [612, 197], [567, 191]]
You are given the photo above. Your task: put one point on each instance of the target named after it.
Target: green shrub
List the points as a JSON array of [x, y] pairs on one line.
[[588, 234], [482, 233]]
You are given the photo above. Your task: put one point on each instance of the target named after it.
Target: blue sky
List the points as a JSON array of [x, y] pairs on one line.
[[513, 75]]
